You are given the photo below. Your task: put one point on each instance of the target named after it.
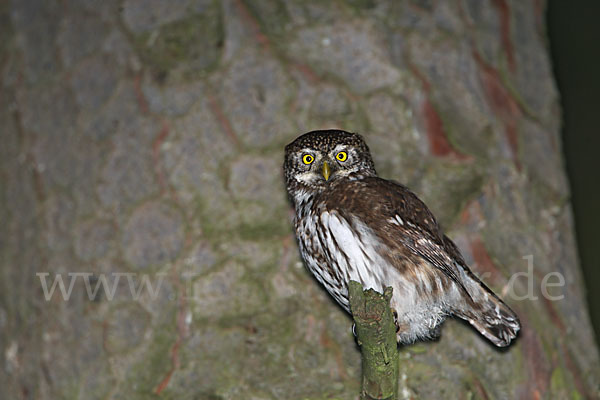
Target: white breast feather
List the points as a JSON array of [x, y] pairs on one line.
[[373, 272], [363, 255]]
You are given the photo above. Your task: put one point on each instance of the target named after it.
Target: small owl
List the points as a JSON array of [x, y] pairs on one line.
[[353, 225]]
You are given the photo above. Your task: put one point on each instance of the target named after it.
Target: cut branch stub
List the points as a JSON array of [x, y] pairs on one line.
[[376, 334]]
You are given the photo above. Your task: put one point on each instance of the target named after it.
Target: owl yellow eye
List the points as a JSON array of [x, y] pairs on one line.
[[342, 156], [307, 159]]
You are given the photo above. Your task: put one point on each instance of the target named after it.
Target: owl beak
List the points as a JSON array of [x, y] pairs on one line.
[[326, 171]]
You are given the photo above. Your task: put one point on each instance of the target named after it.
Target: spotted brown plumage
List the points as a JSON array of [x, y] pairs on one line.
[[353, 225]]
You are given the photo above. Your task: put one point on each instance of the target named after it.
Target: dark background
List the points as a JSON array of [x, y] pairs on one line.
[[574, 33]]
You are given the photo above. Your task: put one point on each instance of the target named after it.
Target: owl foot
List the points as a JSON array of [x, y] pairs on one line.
[[396, 320]]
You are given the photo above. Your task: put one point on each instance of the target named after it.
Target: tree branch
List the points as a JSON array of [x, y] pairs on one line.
[[376, 334]]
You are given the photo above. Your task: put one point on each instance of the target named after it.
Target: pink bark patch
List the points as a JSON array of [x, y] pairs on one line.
[[504, 15], [434, 127], [502, 103], [484, 261], [438, 142], [538, 366], [252, 24]]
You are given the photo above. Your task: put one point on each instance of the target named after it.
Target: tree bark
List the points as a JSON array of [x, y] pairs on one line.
[[142, 143]]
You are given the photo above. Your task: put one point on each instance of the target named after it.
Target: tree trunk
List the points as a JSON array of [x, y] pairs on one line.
[[142, 143]]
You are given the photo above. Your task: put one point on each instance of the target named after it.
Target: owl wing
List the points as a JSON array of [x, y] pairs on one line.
[[404, 223], [398, 216]]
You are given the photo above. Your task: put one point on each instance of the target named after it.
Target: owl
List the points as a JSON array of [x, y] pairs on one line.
[[353, 225]]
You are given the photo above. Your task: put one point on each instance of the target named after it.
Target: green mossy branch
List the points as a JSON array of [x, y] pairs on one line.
[[376, 334]]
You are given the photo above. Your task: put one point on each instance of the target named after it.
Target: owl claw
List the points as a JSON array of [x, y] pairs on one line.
[[354, 329], [396, 320]]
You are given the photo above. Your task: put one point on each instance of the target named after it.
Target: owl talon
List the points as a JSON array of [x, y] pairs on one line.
[[396, 320], [354, 329]]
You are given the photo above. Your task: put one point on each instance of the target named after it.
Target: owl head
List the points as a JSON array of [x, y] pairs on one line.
[[320, 158]]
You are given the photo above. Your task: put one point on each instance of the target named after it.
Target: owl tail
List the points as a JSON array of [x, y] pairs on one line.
[[490, 315]]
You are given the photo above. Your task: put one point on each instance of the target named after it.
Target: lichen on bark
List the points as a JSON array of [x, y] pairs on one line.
[[376, 335]]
